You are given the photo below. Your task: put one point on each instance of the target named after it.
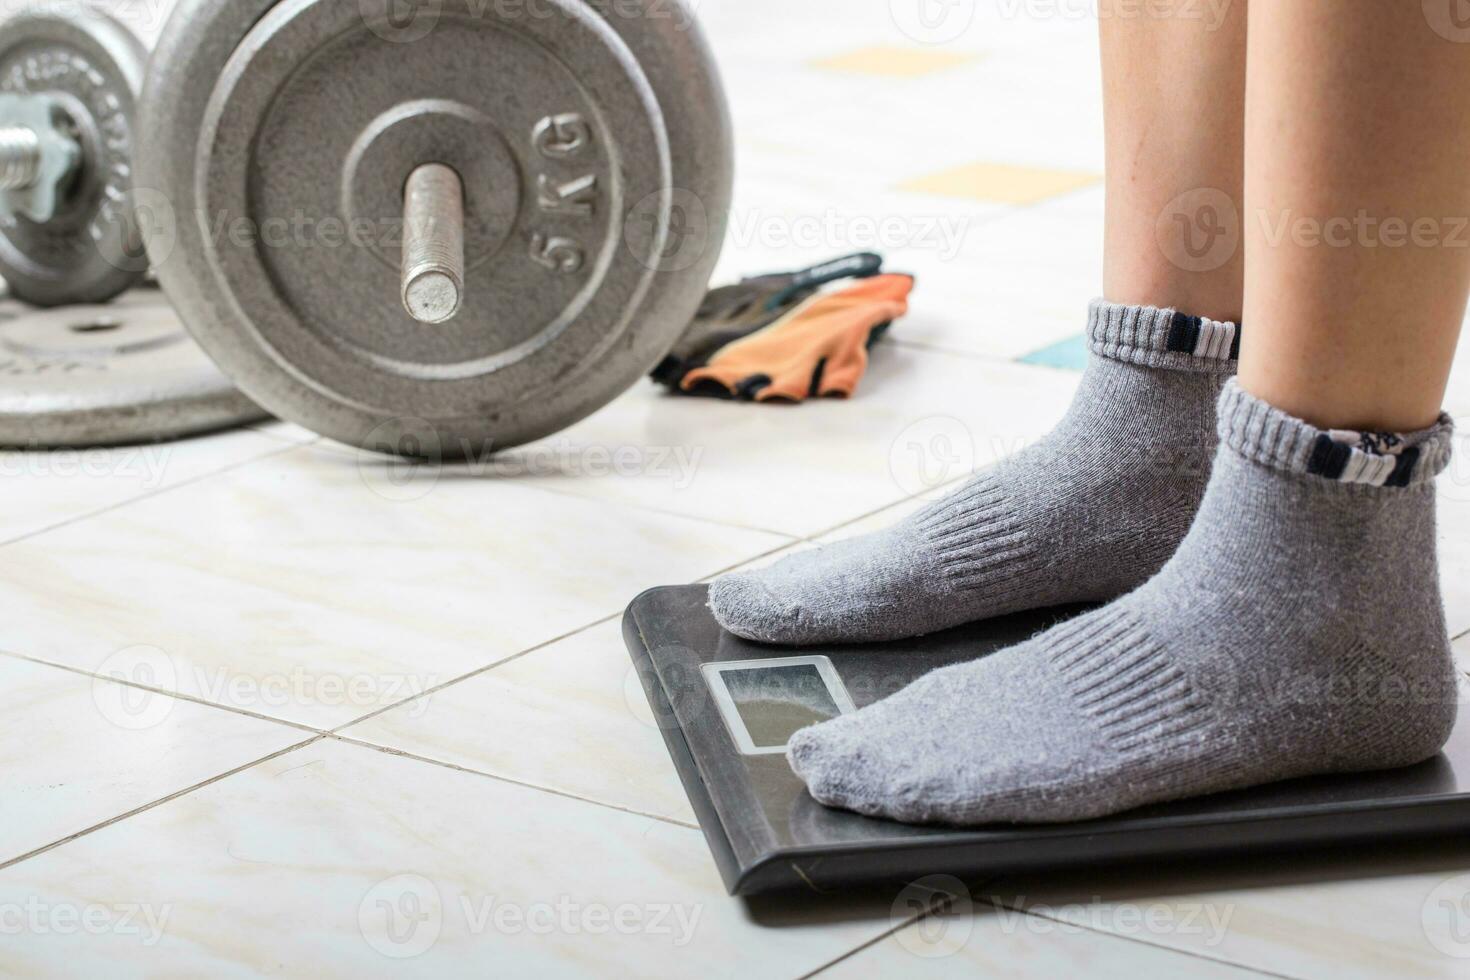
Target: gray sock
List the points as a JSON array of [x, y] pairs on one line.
[[1298, 630], [1086, 514]]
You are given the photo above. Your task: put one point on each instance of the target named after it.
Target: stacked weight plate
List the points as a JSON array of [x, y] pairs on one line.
[[113, 374], [90, 352]]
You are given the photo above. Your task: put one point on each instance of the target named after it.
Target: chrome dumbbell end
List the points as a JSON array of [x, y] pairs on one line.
[[20, 158], [433, 244], [68, 228], [37, 157]]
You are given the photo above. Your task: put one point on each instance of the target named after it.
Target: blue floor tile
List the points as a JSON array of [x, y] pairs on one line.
[[1070, 354]]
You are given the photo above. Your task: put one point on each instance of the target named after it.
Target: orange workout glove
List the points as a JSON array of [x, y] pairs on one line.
[[731, 313], [819, 349]]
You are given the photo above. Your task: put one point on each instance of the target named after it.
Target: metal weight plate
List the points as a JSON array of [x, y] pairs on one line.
[[594, 148], [111, 374], [92, 68]]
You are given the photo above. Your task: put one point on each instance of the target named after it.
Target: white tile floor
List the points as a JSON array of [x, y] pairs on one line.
[[269, 708]]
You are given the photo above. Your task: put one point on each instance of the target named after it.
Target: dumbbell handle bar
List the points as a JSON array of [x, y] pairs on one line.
[[20, 158]]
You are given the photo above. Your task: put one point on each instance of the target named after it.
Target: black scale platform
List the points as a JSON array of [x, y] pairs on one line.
[[727, 708]]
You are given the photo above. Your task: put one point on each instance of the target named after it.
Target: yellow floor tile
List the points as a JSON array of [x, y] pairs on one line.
[[890, 61], [1001, 183]]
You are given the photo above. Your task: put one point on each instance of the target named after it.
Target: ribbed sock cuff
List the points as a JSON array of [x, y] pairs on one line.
[[1273, 438], [1162, 338]]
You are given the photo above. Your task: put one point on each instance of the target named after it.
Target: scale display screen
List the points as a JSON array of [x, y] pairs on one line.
[[765, 702]]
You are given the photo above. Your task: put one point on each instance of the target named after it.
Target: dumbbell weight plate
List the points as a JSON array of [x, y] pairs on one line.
[[594, 149], [93, 67], [123, 372]]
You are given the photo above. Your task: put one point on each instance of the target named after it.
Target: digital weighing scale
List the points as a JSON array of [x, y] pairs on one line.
[[727, 708]]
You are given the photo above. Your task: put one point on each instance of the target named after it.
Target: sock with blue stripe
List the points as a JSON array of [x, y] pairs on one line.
[[1298, 630], [1086, 514]]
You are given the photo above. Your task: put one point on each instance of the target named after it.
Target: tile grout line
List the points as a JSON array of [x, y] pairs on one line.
[[346, 740], [577, 631], [1194, 954], [150, 494], [35, 852], [633, 505], [195, 699], [176, 695], [863, 947], [914, 919], [667, 512], [536, 787], [994, 905], [430, 692]]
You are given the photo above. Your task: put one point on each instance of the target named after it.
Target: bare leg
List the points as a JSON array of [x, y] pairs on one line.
[[1357, 193], [1174, 105]]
